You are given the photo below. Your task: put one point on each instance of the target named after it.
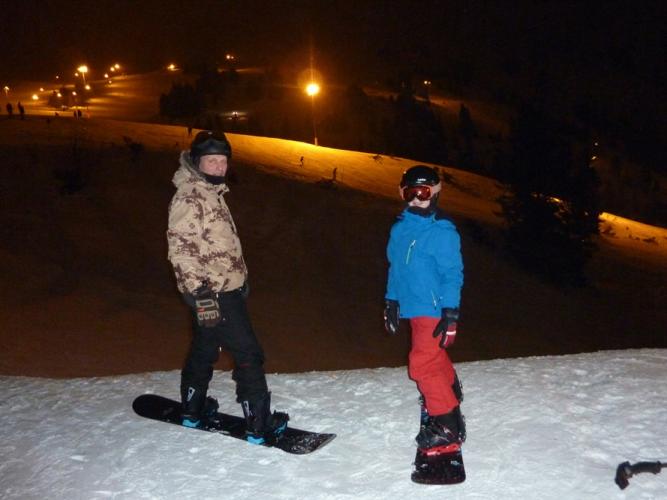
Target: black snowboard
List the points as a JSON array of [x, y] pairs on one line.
[[442, 468], [294, 441]]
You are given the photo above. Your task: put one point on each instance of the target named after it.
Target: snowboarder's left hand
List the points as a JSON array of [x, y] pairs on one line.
[[447, 327]]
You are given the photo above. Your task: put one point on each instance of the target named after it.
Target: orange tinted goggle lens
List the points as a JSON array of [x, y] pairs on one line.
[[422, 193]]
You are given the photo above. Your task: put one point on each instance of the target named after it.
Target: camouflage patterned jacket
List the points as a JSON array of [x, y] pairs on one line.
[[202, 238]]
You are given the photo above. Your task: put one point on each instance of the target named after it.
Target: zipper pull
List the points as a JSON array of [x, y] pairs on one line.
[[407, 257]]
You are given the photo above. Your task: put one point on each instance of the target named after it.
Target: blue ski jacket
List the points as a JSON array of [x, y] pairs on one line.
[[425, 265]]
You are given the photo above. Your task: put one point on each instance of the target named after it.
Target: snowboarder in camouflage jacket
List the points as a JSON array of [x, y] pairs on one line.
[[205, 252]]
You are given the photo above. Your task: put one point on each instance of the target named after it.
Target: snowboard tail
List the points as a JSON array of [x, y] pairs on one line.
[[292, 440]]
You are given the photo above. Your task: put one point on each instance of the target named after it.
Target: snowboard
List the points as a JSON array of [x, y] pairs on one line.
[[295, 441], [439, 466]]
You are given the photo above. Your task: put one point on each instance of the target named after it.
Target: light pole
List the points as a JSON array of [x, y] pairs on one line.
[[312, 89], [83, 69]]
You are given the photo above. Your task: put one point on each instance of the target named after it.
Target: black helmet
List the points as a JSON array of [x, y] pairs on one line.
[[209, 143], [420, 182], [420, 175]]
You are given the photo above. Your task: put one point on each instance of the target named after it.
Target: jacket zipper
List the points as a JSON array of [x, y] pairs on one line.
[[407, 257]]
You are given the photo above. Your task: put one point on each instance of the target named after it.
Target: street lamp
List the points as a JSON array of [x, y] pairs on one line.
[[83, 69], [312, 89], [6, 89]]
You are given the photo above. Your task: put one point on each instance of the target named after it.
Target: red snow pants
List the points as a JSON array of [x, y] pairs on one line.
[[430, 367]]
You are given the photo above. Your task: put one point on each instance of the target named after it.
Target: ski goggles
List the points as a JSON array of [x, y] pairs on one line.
[[422, 192]]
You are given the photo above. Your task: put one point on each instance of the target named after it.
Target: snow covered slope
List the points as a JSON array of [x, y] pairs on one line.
[[542, 428]]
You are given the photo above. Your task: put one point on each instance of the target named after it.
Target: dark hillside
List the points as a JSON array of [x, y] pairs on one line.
[[86, 288]]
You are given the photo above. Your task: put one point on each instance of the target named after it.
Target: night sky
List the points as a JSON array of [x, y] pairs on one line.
[[41, 36]]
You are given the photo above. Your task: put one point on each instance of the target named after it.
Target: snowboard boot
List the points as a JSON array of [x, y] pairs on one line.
[[457, 387], [423, 414], [442, 431], [197, 407], [261, 424], [210, 408]]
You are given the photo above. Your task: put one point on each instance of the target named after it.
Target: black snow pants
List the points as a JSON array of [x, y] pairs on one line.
[[235, 335]]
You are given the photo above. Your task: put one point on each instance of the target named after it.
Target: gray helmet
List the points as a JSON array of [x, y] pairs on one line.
[[207, 142]]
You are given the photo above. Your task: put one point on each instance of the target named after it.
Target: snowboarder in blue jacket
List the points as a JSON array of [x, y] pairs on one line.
[[424, 286]]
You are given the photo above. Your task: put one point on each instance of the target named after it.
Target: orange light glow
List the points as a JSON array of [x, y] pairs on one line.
[[312, 89]]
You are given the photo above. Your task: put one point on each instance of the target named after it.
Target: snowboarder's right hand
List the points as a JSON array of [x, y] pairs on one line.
[[391, 316], [206, 306]]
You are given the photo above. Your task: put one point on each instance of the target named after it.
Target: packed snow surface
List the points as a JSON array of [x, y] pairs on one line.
[[540, 427]]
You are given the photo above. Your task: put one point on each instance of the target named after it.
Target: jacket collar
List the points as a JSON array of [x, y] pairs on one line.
[[415, 218]]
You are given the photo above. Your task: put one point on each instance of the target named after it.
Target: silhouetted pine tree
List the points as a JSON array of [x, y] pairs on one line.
[[181, 101], [416, 131], [550, 203]]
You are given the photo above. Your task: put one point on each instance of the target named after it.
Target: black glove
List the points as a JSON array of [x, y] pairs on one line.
[[206, 306], [447, 327], [391, 315]]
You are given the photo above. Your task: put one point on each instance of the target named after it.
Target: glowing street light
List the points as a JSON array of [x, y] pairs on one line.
[[312, 89], [35, 97], [6, 89], [171, 67], [83, 69]]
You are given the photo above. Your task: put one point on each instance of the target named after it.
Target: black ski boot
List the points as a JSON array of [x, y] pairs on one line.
[[442, 430], [261, 424]]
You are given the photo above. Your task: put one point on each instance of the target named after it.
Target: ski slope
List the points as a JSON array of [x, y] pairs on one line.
[[540, 427]]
